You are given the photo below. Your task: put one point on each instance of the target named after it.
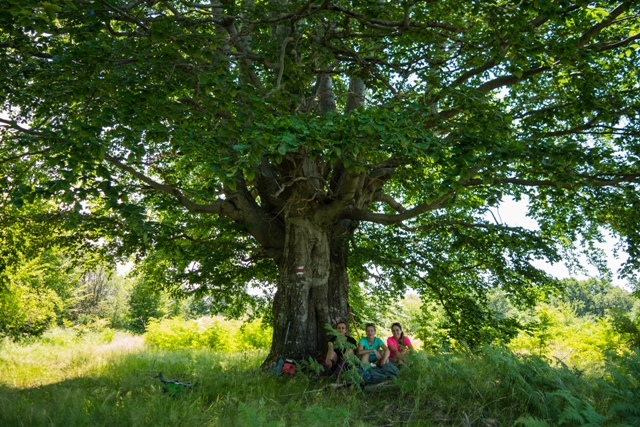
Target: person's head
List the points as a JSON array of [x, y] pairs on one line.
[[342, 328], [396, 330], [370, 330]]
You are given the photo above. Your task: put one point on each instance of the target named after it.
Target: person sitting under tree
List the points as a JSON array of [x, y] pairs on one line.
[[339, 346], [372, 349], [398, 345]]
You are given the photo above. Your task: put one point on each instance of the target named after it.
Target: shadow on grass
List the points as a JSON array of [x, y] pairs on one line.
[[493, 388], [230, 389]]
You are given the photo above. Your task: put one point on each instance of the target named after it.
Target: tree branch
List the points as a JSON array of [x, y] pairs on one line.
[[578, 129], [324, 93], [603, 24], [385, 198], [355, 98], [388, 219], [12, 124], [613, 45], [591, 180], [235, 38], [27, 154], [510, 80], [221, 207], [282, 52], [384, 24]]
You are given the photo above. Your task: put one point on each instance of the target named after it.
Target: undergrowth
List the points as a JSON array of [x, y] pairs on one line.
[[89, 380]]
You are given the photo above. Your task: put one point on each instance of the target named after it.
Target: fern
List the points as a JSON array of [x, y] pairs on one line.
[[622, 389], [625, 408], [592, 415], [578, 410], [529, 421]]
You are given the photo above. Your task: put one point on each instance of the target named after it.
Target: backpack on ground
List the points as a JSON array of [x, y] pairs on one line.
[[376, 375], [391, 370], [282, 366]]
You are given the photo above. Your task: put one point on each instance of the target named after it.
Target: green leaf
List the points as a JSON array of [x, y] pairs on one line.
[[51, 9]]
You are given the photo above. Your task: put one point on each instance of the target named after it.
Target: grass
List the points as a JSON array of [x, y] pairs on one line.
[[100, 379]]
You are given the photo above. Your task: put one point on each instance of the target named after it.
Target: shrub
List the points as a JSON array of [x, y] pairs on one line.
[[173, 333], [255, 335], [27, 311], [580, 342], [218, 334]]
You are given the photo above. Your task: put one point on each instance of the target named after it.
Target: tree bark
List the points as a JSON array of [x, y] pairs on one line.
[[313, 289]]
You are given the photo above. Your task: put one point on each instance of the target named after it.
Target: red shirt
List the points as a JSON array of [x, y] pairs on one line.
[[391, 342]]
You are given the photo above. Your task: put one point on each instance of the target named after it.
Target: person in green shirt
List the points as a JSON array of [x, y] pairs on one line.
[[372, 349]]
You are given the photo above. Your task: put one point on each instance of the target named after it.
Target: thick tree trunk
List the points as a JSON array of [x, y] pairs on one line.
[[313, 290]]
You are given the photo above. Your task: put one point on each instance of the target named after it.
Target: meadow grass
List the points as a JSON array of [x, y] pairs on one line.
[[100, 379]]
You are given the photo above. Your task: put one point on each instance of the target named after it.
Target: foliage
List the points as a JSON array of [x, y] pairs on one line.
[[581, 342], [64, 378], [597, 297], [59, 285], [27, 311], [254, 335], [220, 335], [199, 136], [29, 302], [627, 328], [98, 294], [50, 274], [178, 333], [145, 303], [622, 386], [39, 230]]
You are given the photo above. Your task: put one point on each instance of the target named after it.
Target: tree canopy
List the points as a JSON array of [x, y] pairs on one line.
[[284, 143]]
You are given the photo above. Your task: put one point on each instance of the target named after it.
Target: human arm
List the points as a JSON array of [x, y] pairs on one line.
[[351, 346], [408, 344], [394, 351], [406, 348], [385, 353], [363, 353], [330, 354]]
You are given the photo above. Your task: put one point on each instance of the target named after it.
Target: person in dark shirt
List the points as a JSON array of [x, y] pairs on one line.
[[339, 346]]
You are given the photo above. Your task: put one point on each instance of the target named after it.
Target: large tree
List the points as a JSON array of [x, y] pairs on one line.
[[284, 141]]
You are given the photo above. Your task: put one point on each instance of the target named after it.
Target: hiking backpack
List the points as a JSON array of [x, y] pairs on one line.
[[375, 375]]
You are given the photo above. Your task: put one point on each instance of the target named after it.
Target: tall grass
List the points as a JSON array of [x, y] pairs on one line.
[[99, 379]]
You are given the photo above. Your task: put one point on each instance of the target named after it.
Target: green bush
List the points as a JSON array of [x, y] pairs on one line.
[[580, 342], [175, 333], [255, 335], [27, 310], [145, 303], [217, 334]]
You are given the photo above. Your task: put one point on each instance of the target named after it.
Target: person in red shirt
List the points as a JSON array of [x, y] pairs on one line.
[[398, 344]]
